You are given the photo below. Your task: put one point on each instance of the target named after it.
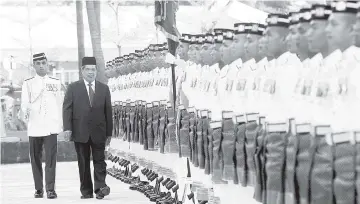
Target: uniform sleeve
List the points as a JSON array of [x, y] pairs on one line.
[[67, 109], [60, 100], [108, 113], [24, 98]]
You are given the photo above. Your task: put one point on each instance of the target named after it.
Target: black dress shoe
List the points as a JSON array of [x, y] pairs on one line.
[[39, 194], [51, 194], [87, 196], [104, 191]]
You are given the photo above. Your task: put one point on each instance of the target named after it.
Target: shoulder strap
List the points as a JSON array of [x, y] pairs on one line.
[[28, 78]]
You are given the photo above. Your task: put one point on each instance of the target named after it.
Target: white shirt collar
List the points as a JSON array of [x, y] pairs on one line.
[[87, 83], [40, 77]]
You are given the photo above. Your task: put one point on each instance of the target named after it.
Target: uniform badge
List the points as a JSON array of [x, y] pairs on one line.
[[273, 20], [229, 34], [320, 11], [307, 15], [241, 28], [255, 28], [340, 6], [51, 87]]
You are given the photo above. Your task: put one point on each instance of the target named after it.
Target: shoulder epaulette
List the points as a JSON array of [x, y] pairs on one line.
[[28, 79], [54, 78]]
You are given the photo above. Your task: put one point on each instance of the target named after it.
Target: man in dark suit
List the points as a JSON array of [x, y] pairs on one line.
[[87, 120]]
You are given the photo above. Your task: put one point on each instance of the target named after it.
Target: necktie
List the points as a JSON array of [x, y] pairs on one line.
[[91, 94]]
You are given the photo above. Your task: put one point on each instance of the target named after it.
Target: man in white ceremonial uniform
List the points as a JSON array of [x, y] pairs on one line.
[[276, 71], [323, 94], [344, 84], [261, 75], [252, 51], [191, 72], [298, 45], [41, 101], [356, 30], [214, 72], [317, 44]]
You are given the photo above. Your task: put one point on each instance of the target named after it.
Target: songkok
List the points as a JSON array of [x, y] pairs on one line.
[[294, 17], [255, 28], [185, 38], [320, 12], [39, 56], [240, 28], [345, 6], [88, 61], [281, 20]]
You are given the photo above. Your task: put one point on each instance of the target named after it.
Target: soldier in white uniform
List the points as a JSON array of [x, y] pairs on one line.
[[41, 101], [346, 103], [356, 30]]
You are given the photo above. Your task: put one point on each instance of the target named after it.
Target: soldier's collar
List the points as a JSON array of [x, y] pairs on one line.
[[306, 63], [238, 63], [317, 57], [224, 71], [249, 62], [40, 77], [352, 52], [263, 60], [215, 67], [283, 58], [333, 58]]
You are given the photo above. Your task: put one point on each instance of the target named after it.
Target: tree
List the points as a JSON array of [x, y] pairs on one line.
[[115, 7], [80, 33], [95, 33]]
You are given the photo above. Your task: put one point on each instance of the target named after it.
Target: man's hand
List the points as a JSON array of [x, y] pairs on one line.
[[66, 134], [108, 140], [27, 114]]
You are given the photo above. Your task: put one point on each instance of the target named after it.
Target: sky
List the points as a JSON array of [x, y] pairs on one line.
[[53, 28]]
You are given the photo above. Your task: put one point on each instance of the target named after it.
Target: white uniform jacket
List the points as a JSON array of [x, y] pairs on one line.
[[41, 102]]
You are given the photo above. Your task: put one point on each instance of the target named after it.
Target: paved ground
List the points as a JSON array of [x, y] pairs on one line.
[[22, 135], [17, 187]]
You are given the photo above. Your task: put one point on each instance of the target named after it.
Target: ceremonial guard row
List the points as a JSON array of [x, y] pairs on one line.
[[273, 106]]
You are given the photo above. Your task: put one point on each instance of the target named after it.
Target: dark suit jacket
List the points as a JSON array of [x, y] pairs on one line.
[[87, 121]]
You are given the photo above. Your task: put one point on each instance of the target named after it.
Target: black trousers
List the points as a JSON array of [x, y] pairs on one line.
[[83, 151], [36, 147]]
